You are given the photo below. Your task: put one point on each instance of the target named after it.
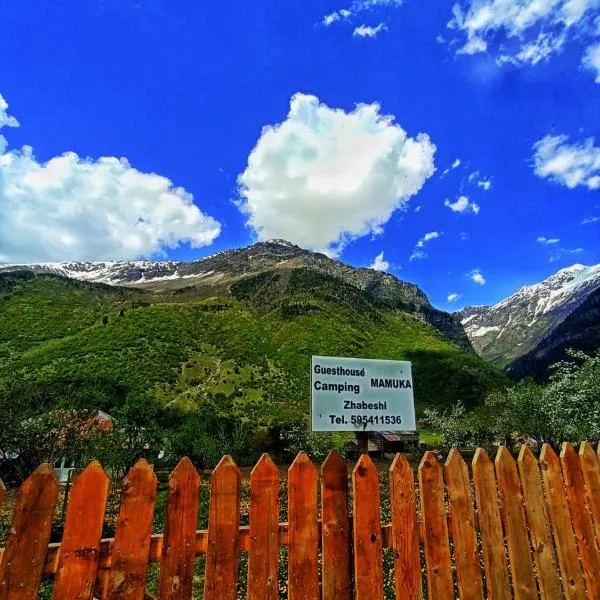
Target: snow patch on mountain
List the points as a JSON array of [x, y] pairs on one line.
[[515, 325]]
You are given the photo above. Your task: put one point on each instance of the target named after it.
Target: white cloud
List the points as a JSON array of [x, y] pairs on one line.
[[367, 31], [417, 255], [453, 297], [522, 32], [72, 208], [480, 181], [454, 165], [463, 204], [418, 252], [356, 8], [380, 264], [540, 49], [568, 164], [562, 252], [418, 208], [548, 241], [336, 16], [590, 220], [325, 176], [5, 121], [477, 276], [591, 60]]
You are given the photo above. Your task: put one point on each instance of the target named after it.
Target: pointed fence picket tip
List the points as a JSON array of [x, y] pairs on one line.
[[400, 463], [481, 457], [334, 461], [224, 465], [43, 469], [363, 466], [454, 459], [567, 451], [185, 467], [141, 468], [547, 454], [526, 455], [586, 449], [428, 461], [94, 467], [265, 464], [43, 472], [503, 456], [302, 460]]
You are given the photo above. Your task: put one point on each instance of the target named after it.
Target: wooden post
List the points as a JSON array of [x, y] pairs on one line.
[[362, 437]]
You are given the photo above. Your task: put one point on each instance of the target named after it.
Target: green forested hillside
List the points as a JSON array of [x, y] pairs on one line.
[[242, 358]]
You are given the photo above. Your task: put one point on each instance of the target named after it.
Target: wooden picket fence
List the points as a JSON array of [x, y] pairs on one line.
[[522, 529]]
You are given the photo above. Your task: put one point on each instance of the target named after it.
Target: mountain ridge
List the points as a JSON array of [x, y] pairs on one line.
[[216, 273], [533, 316]]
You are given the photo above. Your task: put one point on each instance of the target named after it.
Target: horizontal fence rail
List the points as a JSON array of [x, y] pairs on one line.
[[510, 528]]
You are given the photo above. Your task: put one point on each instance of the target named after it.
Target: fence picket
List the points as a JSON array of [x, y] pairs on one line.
[[220, 579], [581, 518], [490, 527], [303, 530], [335, 531], [539, 525], [435, 524], [519, 554], [23, 563], [179, 542], [566, 547], [405, 532], [591, 475], [462, 521], [550, 521], [368, 547], [131, 546], [80, 545], [263, 557]]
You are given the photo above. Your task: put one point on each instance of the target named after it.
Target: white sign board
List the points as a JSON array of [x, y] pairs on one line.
[[356, 394]]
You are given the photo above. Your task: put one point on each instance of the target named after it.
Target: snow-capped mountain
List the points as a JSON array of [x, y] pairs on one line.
[[517, 325], [213, 276], [112, 272]]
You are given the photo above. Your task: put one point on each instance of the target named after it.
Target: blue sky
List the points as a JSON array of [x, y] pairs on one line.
[[456, 145]]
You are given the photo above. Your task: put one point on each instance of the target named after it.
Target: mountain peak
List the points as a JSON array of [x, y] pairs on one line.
[[516, 325], [279, 242]]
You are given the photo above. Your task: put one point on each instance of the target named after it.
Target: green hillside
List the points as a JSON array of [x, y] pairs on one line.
[[244, 358]]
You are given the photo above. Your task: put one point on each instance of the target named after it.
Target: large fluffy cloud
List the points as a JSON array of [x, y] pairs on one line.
[[325, 176], [523, 32], [72, 208], [569, 164]]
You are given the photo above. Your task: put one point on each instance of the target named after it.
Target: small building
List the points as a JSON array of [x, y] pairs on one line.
[[390, 442]]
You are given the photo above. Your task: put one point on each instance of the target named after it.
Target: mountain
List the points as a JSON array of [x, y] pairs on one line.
[[231, 335], [533, 327], [214, 276]]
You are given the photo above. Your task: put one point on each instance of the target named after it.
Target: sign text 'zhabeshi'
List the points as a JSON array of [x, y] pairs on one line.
[[356, 394]]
